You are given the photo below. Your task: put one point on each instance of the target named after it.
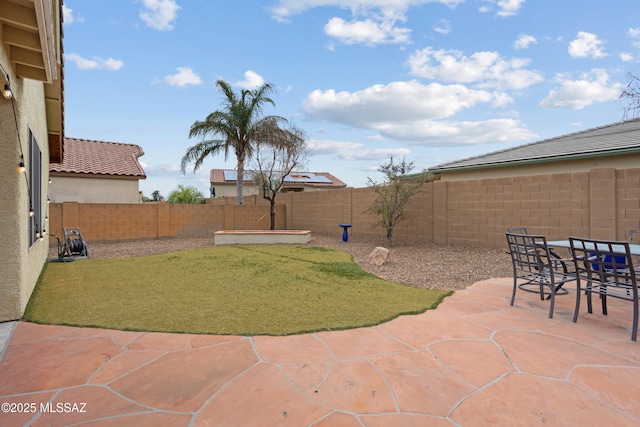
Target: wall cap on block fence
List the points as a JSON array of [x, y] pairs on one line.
[[261, 237]]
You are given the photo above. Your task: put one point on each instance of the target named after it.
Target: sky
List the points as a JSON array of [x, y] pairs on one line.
[[430, 81]]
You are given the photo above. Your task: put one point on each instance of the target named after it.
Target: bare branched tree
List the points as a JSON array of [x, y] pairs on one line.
[[277, 155], [631, 93], [393, 194]]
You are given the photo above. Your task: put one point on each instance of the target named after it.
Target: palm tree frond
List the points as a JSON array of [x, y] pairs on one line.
[[197, 153]]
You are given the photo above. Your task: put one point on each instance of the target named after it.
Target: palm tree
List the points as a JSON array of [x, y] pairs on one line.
[[238, 126], [182, 194]]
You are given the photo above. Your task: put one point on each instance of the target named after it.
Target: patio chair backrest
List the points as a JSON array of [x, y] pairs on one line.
[[634, 236], [606, 261], [530, 253], [605, 267]]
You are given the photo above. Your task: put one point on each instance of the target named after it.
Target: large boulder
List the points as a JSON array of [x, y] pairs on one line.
[[379, 256]]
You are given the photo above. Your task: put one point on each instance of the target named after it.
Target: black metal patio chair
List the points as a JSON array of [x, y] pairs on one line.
[[534, 263], [605, 267]]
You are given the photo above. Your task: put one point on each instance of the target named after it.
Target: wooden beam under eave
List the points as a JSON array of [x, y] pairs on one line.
[[33, 73], [54, 115], [15, 36], [56, 152], [19, 16], [27, 57]]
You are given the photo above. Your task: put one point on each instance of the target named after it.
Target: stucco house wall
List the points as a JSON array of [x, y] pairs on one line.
[[93, 190], [35, 108], [229, 190], [21, 262]]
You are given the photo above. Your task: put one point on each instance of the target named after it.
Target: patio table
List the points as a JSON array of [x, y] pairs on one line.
[[633, 248]]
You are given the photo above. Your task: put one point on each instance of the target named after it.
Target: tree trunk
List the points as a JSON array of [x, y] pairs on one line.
[[239, 181], [389, 237], [273, 213]]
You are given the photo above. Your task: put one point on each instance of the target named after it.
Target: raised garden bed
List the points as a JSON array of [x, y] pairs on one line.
[[261, 237]]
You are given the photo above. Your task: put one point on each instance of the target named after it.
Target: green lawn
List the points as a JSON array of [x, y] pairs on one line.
[[237, 290]]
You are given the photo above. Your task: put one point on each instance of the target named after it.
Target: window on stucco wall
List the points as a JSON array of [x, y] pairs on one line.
[[35, 189]]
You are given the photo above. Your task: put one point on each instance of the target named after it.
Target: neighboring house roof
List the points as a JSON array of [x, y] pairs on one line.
[[614, 139], [89, 157], [295, 179]]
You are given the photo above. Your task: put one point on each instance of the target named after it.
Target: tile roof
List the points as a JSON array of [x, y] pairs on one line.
[[218, 177], [616, 138], [85, 156]]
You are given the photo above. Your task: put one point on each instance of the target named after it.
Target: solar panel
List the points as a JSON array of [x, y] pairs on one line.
[[306, 177], [233, 175], [296, 177]]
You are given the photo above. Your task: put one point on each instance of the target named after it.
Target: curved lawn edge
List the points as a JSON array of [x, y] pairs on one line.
[[249, 334], [100, 293]]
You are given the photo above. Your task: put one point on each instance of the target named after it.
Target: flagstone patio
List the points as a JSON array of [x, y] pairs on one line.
[[474, 361]]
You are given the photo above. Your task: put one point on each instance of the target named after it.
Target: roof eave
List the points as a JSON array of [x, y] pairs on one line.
[[577, 156], [54, 173]]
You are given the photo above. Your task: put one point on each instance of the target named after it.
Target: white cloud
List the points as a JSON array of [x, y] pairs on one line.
[[452, 133], [412, 112], [372, 21], [251, 80], [626, 57], [162, 169], [524, 40], [68, 17], [94, 63], [184, 77], [368, 31], [159, 14], [285, 9], [586, 45], [505, 7], [509, 7], [443, 26], [590, 88], [501, 99], [353, 151], [396, 102], [487, 69], [634, 32]]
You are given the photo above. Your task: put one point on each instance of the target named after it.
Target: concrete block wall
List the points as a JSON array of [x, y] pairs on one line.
[[601, 203], [627, 201], [194, 220], [418, 226], [478, 212], [364, 224], [321, 211], [111, 221], [253, 217], [118, 222]]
